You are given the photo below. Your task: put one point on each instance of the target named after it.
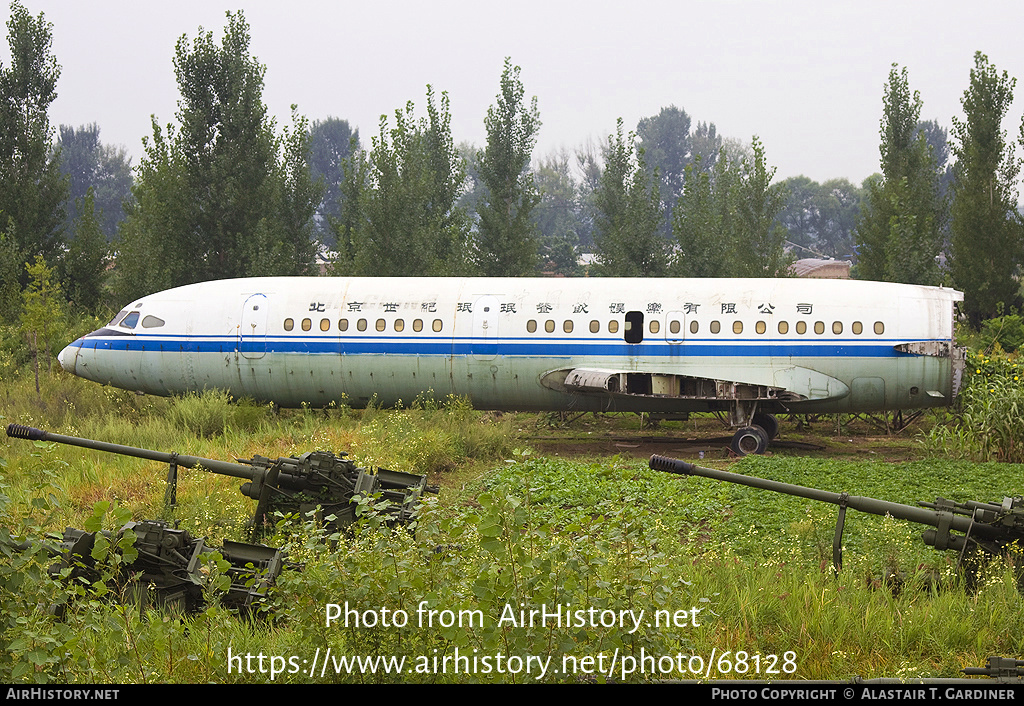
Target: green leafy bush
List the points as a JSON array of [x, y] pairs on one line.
[[1006, 332]]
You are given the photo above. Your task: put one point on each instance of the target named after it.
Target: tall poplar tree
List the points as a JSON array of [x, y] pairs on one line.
[[702, 222], [408, 222], [32, 189], [83, 270], [727, 222], [985, 227], [629, 214], [222, 195], [758, 238], [507, 243], [901, 230]]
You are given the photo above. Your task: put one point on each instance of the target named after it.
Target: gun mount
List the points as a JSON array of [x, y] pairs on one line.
[[170, 567], [315, 481], [990, 527]]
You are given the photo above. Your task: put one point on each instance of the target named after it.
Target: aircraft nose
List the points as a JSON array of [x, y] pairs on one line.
[[67, 358]]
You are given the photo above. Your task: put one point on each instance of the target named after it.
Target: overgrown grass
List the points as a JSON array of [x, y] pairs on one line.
[[428, 437], [767, 605], [987, 423], [746, 573]]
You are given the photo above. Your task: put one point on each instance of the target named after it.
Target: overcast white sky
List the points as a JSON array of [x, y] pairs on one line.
[[806, 76]]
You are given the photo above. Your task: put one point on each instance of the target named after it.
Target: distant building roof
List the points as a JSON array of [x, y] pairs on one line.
[[821, 269]]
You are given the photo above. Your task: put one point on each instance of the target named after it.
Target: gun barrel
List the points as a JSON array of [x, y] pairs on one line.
[[873, 506], [235, 470]]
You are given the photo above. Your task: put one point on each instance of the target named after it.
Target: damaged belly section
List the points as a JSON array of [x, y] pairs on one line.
[[724, 384], [665, 385]]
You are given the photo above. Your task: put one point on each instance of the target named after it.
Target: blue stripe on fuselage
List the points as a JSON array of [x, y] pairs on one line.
[[356, 345]]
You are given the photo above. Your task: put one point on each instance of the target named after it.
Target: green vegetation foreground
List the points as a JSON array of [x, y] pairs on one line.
[[640, 575]]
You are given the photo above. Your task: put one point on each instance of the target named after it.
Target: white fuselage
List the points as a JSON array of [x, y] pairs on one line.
[[659, 345]]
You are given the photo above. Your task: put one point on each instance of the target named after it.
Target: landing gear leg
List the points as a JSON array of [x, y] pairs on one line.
[[768, 422]]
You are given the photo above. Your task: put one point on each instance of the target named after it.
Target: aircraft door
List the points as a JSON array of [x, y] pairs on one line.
[[633, 327], [485, 328], [867, 393], [633, 333], [252, 327]]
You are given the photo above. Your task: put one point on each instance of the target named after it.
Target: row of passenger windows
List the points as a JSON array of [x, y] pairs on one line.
[[714, 327], [361, 324], [654, 326]]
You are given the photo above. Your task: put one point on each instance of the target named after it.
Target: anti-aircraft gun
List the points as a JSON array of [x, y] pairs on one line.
[[315, 481], [168, 567], [993, 528]]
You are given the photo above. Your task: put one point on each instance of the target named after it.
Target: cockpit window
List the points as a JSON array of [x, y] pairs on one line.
[[151, 321], [120, 315], [130, 321]]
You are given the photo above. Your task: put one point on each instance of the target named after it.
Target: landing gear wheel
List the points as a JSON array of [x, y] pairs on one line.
[[749, 440], [768, 422]]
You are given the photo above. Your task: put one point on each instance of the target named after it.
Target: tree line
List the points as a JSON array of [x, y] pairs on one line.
[[223, 192]]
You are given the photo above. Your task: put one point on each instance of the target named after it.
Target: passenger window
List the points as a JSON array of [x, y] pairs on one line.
[[737, 327], [595, 327], [613, 327], [307, 324], [437, 325], [361, 324], [381, 324], [399, 325], [531, 326], [152, 322], [760, 327], [289, 324], [837, 327], [783, 327], [325, 324], [673, 326], [801, 327], [343, 324], [879, 328], [819, 327], [715, 327], [633, 331], [567, 326], [549, 326], [417, 325], [858, 328], [654, 326], [694, 327]]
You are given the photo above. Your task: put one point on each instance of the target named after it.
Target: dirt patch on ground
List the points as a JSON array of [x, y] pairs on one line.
[[707, 438]]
